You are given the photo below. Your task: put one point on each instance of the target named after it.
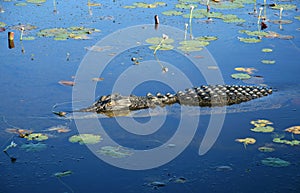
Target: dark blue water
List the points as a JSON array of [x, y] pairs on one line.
[[29, 90]]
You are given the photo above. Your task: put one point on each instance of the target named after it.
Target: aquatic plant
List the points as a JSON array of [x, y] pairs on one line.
[[22, 31], [115, 152], [85, 139], [293, 129], [36, 136], [240, 76], [246, 141], [185, 30], [266, 149], [263, 129], [11, 145], [275, 162], [33, 147]]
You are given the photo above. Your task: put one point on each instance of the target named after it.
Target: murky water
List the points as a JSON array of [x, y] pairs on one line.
[[30, 89]]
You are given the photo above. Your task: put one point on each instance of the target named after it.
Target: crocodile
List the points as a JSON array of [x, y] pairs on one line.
[[203, 96]]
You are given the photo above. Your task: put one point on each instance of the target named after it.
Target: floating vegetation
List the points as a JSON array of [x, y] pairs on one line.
[[20, 4], [21, 132], [223, 168], [23, 27], [267, 50], [263, 129], [2, 24], [62, 174], [85, 139], [293, 129], [65, 33], [159, 43], [66, 83], [284, 6], [206, 38], [59, 129], [297, 17], [247, 70], [36, 1], [285, 141], [97, 79], [145, 5], [192, 45], [268, 61], [185, 6], [172, 13], [275, 162], [28, 38], [116, 152], [33, 147], [180, 180], [281, 21], [98, 48], [36, 137], [246, 141], [253, 33], [230, 18], [240, 76], [249, 40], [266, 149], [261, 122]]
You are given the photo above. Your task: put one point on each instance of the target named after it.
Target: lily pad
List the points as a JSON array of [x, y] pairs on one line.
[[284, 6], [246, 141], [33, 147], [268, 61], [65, 33], [148, 5], [116, 152], [297, 17], [263, 129], [247, 70], [275, 162], [241, 76], [59, 129], [29, 38], [266, 149], [293, 129], [62, 174], [2, 24], [206, 38], [261, 122], [162, 47], [85, 139], [21, 4], [253, 33], [249, 40], [172, 13], [25, 27], [185, 5], [267, 50], [287, 142], [157, 40], [192, 45], [37, 137], [36, 1]]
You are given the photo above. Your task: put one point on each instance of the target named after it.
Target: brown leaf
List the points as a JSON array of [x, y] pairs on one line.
[[66, 83]]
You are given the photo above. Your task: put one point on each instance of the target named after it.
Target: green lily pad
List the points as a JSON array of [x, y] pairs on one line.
[[172, 13], [249, 40], [28, 38], [36, 136], [275, 162], [263, 129], [261, 122], [62, 174], [157, 40], [227, 5], [85, 139], [194, 43], [21, 4], [297, 17], [36, 1], [26, 27], [162, 47], [253, 33], [116, 152], [65, 33], [185, 5], [267, 50], [2, 24], [268, 61], [284, 6], [33, 147], [287, 142], [281, 21], [241, 76], [266, 149], [148, 5], [206, 38], [234, 20]]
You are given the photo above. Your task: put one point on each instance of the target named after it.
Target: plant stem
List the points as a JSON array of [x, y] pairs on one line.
[[191, 16]]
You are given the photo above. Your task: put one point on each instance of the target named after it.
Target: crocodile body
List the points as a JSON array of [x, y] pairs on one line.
[[203, 96]]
